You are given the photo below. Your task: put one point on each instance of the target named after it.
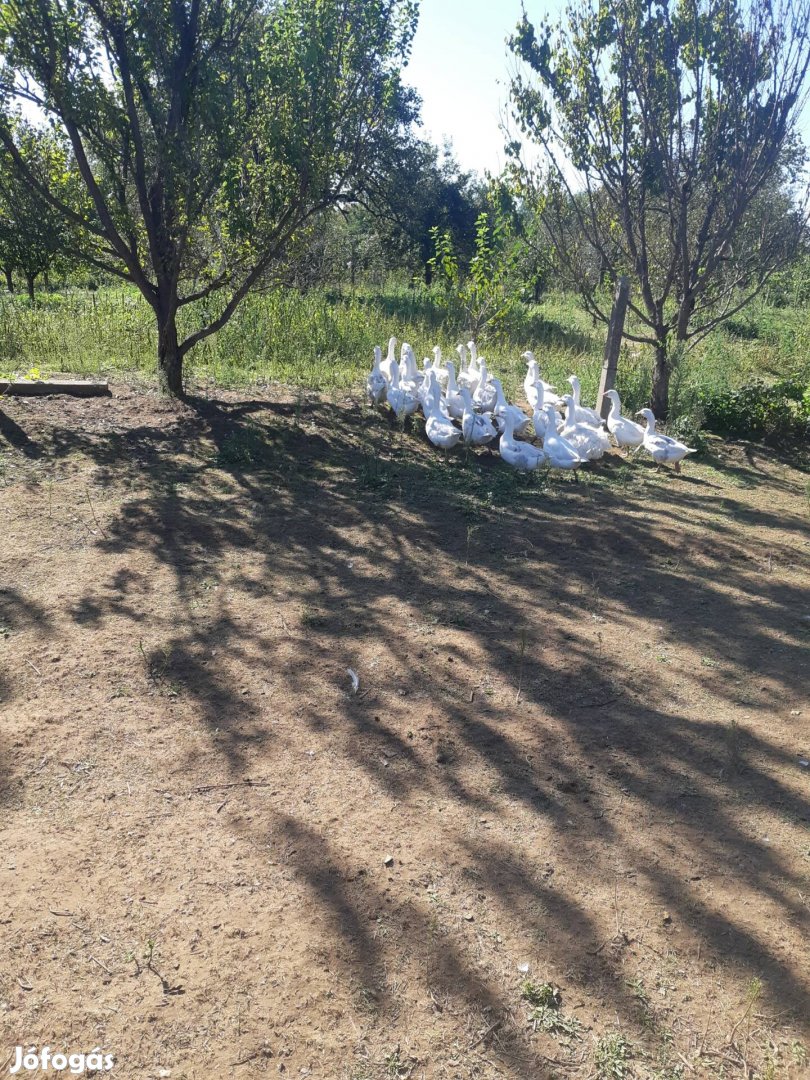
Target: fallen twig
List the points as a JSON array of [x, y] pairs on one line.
[[490, 1030], [203, 788], [263, 1051], [103, 966]]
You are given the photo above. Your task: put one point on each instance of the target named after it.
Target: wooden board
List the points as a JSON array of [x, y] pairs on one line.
[[34, 388]]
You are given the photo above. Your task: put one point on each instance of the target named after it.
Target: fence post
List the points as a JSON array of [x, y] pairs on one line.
[[613, 344]]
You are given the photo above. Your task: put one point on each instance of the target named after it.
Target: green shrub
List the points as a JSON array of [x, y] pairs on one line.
[[757, 410], [689, 428]]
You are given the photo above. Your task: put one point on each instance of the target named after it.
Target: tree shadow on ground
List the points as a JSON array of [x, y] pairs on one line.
[[537, 576]]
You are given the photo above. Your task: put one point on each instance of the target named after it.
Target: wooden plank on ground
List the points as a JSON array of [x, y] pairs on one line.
[[37, 387]]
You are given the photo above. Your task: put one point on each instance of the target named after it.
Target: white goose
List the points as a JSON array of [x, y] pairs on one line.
[[485, 396], [520, 455], [470, 375], [559, 451], [439, 429], [521, 423], [409, 374], [438, 365], [452, 398], [583, 414], [530, 381], [540, 418], [477, 429], [531, 361], [424, 391], [662, 448], [387, 366], [461, 349], [591, 442], [626, 432], [376, 384], [403, 401], [536, 389]]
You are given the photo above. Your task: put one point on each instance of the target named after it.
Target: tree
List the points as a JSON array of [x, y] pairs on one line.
[[207, 133], [664, 122], [32, 233], [421, 189]]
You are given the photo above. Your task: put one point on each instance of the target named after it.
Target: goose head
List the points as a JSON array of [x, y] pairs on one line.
[[499, 391], [528, 356], [570, 407], [551, 417], [575, 388], [451, 377], [392, 345], [473, 352], [649, 417], [377, 357], [615, 403], [437, 355], [462, 355]]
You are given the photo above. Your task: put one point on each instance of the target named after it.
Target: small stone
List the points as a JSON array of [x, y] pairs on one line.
[[667, 919], [468, 916], [388, 860]]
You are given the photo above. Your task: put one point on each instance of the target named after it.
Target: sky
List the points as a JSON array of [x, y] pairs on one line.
[[459, 66]]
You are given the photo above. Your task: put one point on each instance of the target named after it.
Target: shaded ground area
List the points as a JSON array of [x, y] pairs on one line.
[[574, 757]]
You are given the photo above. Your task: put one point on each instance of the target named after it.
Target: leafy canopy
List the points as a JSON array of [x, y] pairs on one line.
[[207, 133], [663, 124]]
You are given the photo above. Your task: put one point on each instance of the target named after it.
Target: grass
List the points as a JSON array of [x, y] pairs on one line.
[[546, 1011], [323, 340], [612, 1057]]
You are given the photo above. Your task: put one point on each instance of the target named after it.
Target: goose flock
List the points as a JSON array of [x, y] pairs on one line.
[[470, 406]]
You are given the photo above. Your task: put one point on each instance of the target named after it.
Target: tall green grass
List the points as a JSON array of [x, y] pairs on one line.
[[324, 341]]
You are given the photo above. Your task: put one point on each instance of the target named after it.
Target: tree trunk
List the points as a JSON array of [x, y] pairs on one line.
[[684, 315], [29, 281], [170, 360], [9, 281], [659, 399]]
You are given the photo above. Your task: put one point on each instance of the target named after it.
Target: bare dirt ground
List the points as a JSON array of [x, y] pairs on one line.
[[574, 757]]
